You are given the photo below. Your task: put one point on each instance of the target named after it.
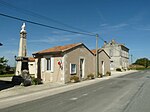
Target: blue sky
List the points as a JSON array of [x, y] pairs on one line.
[[126, 21]]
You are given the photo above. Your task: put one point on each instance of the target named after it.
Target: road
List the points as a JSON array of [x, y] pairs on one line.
[[129, 93]]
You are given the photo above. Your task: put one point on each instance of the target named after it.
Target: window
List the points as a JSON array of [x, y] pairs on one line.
[[47, 64], [48, 60], [73, 68]]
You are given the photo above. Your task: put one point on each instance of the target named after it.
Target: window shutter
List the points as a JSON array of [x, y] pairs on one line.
[[43, 64], [52, 64]]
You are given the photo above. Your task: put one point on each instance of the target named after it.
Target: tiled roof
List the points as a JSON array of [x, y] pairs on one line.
[[31, 59], [58, 49], [94, 51], [99, 50]]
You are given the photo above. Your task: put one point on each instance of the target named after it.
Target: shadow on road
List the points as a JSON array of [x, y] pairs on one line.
[[5, 84]]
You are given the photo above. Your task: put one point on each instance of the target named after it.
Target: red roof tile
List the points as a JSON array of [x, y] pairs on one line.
[[58, 49], [94, 51], [99, 50], [31, 59]]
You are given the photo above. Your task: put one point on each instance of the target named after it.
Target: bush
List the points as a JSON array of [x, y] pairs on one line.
[[74, 79], [10, 72], [90, 76], [118, 69], [99, 75], [36, 81], [108, 73], [2, 72]]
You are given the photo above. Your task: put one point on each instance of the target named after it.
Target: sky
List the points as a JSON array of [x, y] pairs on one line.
[[126, 21]]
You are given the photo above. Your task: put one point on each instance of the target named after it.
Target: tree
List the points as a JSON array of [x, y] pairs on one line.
[[3, 64], [143, 61]]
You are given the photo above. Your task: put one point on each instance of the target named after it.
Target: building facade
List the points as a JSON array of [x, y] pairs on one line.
[[103, 61], [60, 63], [119, 54]]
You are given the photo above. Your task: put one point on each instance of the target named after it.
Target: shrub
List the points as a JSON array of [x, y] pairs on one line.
[[90, 76], [118, 69], [10, 72], [74, 79], [99, 75], [108, 73], [36, 81]]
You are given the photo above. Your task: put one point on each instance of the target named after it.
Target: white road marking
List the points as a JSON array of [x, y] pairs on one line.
[[94, 90], [97, 89], [73, 98], [85, 94]]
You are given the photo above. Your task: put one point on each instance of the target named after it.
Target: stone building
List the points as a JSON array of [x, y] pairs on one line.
[[60, 63], [119, 54], [103, 61]]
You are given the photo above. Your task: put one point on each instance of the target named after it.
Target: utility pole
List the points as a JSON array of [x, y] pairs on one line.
[[96, 56], [131, 59]]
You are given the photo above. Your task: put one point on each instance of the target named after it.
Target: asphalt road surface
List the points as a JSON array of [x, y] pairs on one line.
[[129, 93]]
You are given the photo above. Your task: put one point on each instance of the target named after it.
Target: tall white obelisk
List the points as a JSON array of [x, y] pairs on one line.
[[22, 54]]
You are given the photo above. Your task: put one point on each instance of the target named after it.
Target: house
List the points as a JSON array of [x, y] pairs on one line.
[[59, 63], [119, 54], [103, 61]]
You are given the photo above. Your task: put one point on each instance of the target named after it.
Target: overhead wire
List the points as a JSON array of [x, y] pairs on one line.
[[39, 16], [46, 18], [102, 39], [48, 26]]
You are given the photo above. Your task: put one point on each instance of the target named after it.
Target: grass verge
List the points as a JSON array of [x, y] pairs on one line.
[[7, 75]]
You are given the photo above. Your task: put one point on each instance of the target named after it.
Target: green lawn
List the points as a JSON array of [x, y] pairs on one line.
[[11, 75], [6, 75]]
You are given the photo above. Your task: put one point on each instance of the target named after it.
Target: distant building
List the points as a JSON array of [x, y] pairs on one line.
[[119, 54]]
